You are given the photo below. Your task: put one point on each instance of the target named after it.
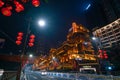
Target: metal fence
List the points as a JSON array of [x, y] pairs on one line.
[[9, 75], [79, 76]]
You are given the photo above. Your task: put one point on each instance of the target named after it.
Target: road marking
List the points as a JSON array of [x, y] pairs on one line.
[[34, 77]]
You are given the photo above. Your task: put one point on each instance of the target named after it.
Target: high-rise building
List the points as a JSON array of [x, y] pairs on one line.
[[111, 9], [109, 35], [102, 12]]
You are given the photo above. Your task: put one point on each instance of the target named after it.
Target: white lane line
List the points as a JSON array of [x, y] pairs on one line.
[[34, 77]]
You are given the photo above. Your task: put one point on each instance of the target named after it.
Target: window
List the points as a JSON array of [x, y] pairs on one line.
[[114, 27], [110, 29], [112, 39], [102, 29], [119, 21], [108, 26], [110, 33], [113, 24], [117, 30], [88, 52], [103, 32], [119, 37], [106, 44], [104, 35], [118, 34]]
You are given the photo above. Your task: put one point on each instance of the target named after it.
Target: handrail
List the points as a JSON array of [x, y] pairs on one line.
[[82, 76], [7, 75]]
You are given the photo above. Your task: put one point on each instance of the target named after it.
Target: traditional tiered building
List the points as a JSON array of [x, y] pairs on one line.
[[75, 53]]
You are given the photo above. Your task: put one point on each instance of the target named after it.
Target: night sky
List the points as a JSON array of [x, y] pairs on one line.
[[58, 14]]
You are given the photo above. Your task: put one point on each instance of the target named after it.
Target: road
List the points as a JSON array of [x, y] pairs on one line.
[[36, 75], [29, 74]]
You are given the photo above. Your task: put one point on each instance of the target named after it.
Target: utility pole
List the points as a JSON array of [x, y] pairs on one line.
[[23, 51]]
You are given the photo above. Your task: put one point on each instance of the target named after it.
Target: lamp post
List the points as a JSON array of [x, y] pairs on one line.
[[41, 24], [30, 55], [94, 39], [97, 43], [98, 46], [23, 51]]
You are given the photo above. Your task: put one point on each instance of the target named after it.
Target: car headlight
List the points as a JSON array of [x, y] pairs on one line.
[[43, 73]]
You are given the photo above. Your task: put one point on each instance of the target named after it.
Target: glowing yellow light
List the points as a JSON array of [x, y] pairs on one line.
[[78, 56]]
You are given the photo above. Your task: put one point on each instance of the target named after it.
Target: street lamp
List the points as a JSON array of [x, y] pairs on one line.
[[93, 38], [109, 68], [97, 42], [30, 55], [41, 23]]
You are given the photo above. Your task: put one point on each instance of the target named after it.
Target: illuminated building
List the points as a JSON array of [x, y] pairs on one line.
[[109, 35], [74, 53]]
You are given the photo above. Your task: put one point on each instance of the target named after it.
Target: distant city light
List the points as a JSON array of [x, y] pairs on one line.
[[85, 43], [109, 68], [88, 6], [53, 57]]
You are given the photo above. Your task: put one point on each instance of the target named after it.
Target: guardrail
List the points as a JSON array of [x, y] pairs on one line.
[[9, 75], [79, 76]]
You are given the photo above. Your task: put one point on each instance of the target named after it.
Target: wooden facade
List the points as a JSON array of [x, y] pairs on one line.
[[75, 52]]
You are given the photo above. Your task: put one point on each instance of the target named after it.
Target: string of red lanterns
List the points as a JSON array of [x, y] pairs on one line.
[[103, 54], [6, 7], [31, 40], [19, 38]]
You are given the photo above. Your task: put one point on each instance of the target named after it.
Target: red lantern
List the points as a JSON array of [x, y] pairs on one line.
[[105, 55], [6, 12], [30, 44], [100, 54], [20, 34], [19, 7], [24, 1], [100, 51], [9, 7], [31, 40], [1, 3], [35, 3], [32, 36], [19, 38], [16, 2], [18, 42]]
